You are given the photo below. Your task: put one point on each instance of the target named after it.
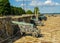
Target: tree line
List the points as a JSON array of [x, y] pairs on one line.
[[7, 9]]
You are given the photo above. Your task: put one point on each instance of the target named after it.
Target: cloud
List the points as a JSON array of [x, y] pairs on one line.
[[26, 9], [47, 2], [23, 5], [50, 2], [17, 0], [33, 3], [22, 0], [57, 3]]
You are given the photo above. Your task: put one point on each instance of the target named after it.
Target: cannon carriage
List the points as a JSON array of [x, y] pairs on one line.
[[28, 29]]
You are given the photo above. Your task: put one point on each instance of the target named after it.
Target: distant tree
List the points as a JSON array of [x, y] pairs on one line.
[[21, 11], [5, 7], [17, 10], [36, 10], [12, 10], [29, 12], [24, 12]]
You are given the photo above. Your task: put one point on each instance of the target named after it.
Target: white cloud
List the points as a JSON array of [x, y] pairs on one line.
[[27, 9], [22, 0], [57, 4], [17, 0], [47, 2], [23, 5], [33, 3], [50, 2]]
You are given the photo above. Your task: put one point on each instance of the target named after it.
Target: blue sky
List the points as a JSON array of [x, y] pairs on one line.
[[45, 6]]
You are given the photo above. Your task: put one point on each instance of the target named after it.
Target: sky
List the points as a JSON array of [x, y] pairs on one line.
[[45, 6]]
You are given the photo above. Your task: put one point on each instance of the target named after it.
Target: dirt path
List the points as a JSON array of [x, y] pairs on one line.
[[51, 32]]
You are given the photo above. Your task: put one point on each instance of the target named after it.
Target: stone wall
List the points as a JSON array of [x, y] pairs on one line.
[[6, 28]]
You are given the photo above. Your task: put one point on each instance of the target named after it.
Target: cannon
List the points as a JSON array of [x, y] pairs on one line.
[[36, 23], [42, 18], [28, 29]]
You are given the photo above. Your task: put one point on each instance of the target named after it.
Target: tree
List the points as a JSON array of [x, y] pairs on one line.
[[36, 10], [29, 12], [5, 7], [12, 10], [21, 11], [17, 10]]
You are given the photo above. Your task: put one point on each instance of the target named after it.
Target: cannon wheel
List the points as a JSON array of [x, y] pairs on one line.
[[34, 34]]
